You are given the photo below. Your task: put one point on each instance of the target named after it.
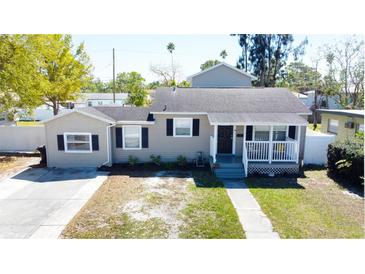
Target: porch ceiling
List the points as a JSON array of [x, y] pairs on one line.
[[256, 118]]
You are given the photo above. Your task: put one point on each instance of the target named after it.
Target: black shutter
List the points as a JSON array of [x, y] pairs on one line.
[[118, 137], [169, 127], [249, 133], [60, 142], [291, 132], [145, 137], [95, 142], [196, 127]]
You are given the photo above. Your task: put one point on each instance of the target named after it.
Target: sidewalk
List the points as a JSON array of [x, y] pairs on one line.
[[254, 222]]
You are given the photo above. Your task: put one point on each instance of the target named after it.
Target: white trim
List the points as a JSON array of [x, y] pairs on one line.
[[108, 161], [234, 140], [135, 123], [191, 127], [140, 138], [270, 145], [256, 124], [76, 111], [65, 134], [222, 64], [215, 143]]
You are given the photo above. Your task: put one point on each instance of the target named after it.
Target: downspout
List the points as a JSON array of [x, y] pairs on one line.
[[108, 144]]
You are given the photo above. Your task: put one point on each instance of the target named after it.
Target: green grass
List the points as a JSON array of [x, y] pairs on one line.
[[310, 207], [191, 209], [312, 127], [209, 214]]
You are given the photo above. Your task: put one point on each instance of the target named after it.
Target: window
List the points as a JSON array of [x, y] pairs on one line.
[[279, 133], [360, 128], [90, 103], [132, 137], [77, 142], [262, 133], [183, 127], [332, 126]]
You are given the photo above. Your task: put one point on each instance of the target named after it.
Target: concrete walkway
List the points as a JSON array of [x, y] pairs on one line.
[[254, 222], [39, 203]]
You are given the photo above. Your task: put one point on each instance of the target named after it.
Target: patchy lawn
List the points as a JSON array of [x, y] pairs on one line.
[[163, 204], [10, 165], [310, 207]]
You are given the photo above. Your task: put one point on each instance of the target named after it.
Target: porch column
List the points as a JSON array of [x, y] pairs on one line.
[[215, 143], [270, 145], [298, 144], [234, 140]]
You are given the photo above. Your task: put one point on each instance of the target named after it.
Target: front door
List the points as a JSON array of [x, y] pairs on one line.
[[225, 136]]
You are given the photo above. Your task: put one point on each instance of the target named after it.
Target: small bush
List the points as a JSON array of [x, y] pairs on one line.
[[169, 165], [346, 159], [181, 161], [132, 161], [156, 159]]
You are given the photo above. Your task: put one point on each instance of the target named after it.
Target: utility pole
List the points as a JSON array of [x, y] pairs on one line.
[[113, 76]]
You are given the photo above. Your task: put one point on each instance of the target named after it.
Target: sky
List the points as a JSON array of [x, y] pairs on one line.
[[139, 52]]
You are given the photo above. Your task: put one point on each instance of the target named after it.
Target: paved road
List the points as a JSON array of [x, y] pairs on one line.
[[39, 203]]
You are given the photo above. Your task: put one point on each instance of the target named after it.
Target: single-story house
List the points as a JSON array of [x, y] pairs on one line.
[[221, 75], [344, 123], [92, 99], [260, 129]]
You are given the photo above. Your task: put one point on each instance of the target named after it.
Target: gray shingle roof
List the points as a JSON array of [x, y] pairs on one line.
[[245, 100], [123, 113], [257, 118]]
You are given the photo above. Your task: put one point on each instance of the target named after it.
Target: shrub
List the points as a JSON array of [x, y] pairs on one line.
[[169, 165], [132, 161], [346, 159], [181, 161], [156, 159]]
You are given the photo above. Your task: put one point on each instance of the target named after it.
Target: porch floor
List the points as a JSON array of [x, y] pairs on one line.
[[228, 159]]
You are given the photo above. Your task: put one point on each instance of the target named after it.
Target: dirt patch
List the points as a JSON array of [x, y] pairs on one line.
[[10, 165]]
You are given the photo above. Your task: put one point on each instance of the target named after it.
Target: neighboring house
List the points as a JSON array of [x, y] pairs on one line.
[[45, 112], [342, 122], [328, 102], [302, 97], [259, 129], [221, 75]]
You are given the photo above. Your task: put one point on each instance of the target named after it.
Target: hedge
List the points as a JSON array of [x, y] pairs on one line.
[[346, 159]]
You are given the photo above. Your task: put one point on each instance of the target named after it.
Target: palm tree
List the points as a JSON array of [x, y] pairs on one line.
[[171, 48]]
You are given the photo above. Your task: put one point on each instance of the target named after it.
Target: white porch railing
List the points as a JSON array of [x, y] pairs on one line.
[[281, 151]]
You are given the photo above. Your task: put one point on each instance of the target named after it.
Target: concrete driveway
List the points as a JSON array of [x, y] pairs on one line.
[[39, 202]]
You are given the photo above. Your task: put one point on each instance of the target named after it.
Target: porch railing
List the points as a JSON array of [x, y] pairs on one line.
[[280, 151]]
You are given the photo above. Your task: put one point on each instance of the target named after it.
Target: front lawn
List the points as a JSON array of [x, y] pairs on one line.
[[162, 204], [10, 165], [310, 207]]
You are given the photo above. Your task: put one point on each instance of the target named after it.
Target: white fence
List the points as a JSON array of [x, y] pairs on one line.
[[316, 145], [21, 138]]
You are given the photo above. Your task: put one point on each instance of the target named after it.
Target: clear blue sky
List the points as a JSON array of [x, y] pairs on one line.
[[138, 52]]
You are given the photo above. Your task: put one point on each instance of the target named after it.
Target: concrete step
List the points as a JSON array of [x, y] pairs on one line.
[[230, 176], [229, 165], [229, 170]]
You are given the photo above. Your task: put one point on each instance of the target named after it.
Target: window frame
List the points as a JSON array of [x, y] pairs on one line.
[[286, 132], [328, 126], [140, 137], [65, 134], [191, 127], [254, 132]]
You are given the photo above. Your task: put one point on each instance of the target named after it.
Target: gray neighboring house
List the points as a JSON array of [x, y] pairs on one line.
[[260, 130], [221, 75]]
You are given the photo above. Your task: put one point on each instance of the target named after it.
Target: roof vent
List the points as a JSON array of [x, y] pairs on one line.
[[174, 89], [164, 108]]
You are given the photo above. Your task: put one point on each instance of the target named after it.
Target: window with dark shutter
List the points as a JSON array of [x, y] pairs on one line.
[[249, 133], [196, 123], [95, 142], [60, 142], [169, 127], [119, 137], [145, 137], [291, 132]]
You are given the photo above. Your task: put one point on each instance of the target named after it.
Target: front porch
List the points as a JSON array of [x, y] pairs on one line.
[[264, 149]]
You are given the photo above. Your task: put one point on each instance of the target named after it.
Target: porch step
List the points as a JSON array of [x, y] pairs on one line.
[[230, 172], [229, 165]]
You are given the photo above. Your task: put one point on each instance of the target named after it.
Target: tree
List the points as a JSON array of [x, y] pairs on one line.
[[96, 86], [171, 48], [264, 55], [345, 63], [184, 84], [208, 64], [223, 54], [134, 84], [57, 70], [167, 74]]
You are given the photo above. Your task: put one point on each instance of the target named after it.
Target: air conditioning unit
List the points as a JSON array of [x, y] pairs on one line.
[[349, 125]]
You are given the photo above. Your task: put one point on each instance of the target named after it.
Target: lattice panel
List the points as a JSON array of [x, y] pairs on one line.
[[254, 169]]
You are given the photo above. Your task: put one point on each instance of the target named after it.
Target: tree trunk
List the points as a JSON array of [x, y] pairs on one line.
[[55, 107]]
